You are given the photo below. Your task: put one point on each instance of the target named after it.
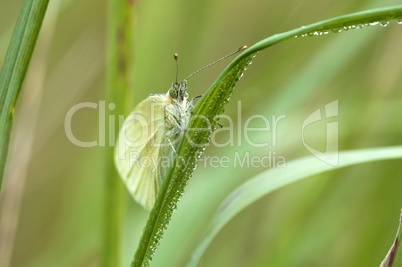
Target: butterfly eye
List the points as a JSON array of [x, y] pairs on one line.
[[173, 93]]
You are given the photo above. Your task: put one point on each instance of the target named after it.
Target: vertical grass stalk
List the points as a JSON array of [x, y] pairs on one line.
[[15, 66], [119, 82]]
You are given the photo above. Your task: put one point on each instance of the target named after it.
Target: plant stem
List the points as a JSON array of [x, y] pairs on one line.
[[120, 40], [16, 63]]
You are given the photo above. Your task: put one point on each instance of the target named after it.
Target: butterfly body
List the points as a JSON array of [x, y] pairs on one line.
[[149, 137], [147, 142]]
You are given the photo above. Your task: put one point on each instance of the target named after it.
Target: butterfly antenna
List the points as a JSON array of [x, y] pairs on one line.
[[238, 50], [177, 66]]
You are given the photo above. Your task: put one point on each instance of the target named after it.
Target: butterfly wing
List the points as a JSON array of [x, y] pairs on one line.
[[141, 148]]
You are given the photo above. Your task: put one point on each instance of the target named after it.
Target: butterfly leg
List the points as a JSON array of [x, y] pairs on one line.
[[191, 102], [170, 142]]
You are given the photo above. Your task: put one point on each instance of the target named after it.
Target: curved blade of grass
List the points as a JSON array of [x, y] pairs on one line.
[[15, 66], [204, 118], [273, 179], [337, 24]]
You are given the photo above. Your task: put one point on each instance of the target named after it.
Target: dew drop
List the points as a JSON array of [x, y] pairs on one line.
[[373, 23], [336, 30], [296, 36], [399, 21], [384, 23], [359, 26]]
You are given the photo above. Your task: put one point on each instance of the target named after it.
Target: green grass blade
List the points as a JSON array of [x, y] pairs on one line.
[[204, 117], [15, 66], [120, 70], [273, 179], [336, 24], [212, 105]]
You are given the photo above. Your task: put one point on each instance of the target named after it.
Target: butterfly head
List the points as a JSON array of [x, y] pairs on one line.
[[178, 91]]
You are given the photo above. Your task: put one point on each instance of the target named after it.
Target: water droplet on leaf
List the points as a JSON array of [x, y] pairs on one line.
[[384, 23]]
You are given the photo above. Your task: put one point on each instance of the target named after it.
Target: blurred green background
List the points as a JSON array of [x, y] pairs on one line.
[[51, 201]]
